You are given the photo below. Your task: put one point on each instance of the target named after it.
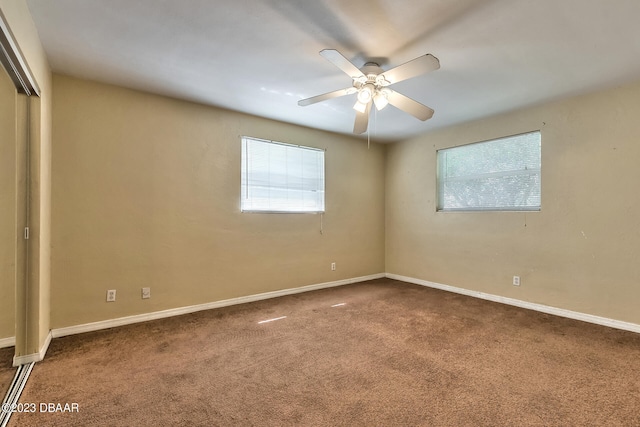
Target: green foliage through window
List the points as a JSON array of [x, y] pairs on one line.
[[501, 174]]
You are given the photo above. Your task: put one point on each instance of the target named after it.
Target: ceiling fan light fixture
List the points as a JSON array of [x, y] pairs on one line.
[[361, 80], [381, 81], [380, 100], [370, 84], [366, 93], [360, 107]]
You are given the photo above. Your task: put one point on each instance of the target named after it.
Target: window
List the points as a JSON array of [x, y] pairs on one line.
[[501, 174], [278, 177]]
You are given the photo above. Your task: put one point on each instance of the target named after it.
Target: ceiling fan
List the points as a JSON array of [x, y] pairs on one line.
[[370, 83]]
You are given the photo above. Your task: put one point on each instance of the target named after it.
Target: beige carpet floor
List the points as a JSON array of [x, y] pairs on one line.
[[7, 371], [379, 353]]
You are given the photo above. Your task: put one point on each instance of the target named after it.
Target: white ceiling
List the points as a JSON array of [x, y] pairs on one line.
[[261, 56]]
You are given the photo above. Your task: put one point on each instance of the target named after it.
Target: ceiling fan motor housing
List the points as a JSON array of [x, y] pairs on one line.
[[371, 68]]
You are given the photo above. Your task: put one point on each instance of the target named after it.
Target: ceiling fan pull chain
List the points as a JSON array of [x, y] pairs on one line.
[[375, 123]]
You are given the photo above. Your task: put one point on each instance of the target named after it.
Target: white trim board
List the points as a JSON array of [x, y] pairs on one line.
[[138, 318], [603, 321], [7, 342], [34, 357]]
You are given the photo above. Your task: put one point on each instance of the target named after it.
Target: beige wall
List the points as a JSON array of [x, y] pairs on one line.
[[7, 205], [32, 302], [146, 193], [580, 252]]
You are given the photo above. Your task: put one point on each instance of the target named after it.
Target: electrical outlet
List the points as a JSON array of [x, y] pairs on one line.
[[111, 295], [333, 266], [516, 280], [146, 293]]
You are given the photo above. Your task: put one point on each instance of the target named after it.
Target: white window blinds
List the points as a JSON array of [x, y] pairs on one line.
[[278, 177], [502, 174]]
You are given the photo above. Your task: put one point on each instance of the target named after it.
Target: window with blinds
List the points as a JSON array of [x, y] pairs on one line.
[[501, 174], [279, 177]]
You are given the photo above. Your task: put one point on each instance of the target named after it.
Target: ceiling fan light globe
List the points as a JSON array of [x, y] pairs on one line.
[[380, 100], [365, 94], [360, 107]]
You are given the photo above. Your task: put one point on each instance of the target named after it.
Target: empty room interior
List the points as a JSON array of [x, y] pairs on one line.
[[334, 212]]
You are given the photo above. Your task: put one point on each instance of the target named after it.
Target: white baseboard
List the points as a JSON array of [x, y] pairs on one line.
[[612, 323], [121, 321], [34, 357], [7, 342]]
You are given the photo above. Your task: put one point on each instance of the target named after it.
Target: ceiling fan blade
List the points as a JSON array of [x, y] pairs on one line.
[[325, 96], [337, 59], [362, 120], [420, 65], [406, 104]]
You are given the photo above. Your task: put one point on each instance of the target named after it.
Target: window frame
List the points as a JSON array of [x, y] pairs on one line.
[[440, 186], [244, 171]]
